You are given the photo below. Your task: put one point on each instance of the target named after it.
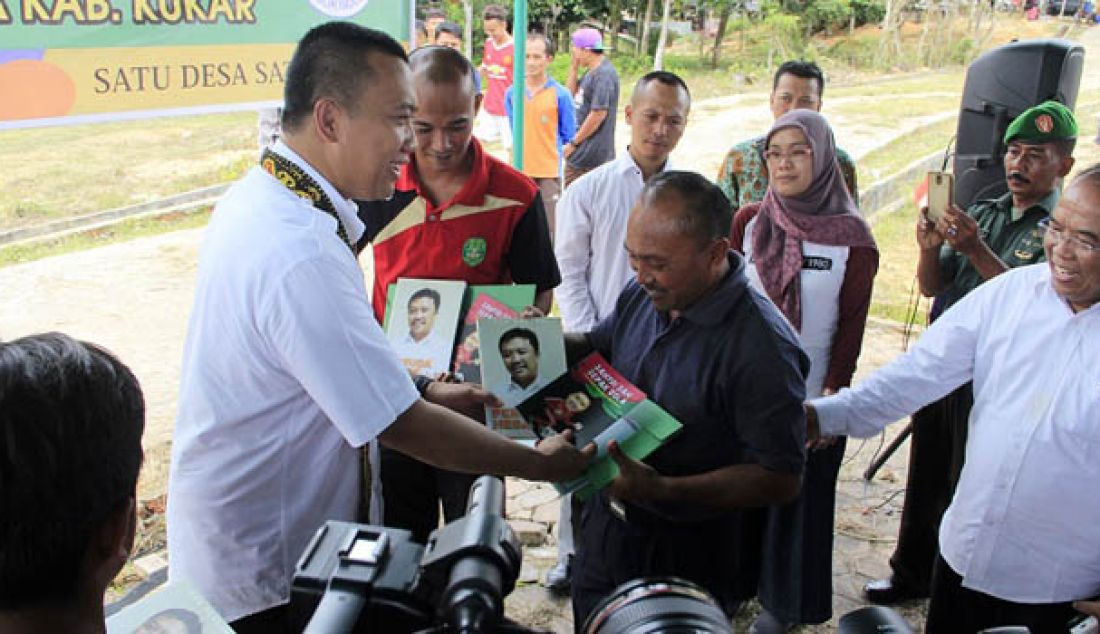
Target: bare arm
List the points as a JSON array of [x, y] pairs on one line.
[[590, 124], [448, 440], [725, 488], [544, 299]]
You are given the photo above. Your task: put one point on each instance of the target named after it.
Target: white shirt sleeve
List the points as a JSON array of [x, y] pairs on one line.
[[322, 327], [941, 361], [573, 249]]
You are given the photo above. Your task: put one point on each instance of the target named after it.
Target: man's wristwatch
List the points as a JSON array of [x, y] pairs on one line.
[[422, 382]]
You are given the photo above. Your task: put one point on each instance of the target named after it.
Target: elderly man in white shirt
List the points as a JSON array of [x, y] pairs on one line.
[[1019, 541], [286, 372], [591, 227]]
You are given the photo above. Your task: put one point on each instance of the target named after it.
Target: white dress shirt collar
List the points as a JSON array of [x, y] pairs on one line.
[[346, 209], [625, 164]]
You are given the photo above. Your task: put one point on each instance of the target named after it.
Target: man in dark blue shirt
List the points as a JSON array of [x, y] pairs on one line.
[[720, 358]]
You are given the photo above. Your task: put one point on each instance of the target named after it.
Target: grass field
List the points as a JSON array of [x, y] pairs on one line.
[[68, 171]]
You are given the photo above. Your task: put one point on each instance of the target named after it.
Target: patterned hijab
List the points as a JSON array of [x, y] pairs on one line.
[[823, 214]]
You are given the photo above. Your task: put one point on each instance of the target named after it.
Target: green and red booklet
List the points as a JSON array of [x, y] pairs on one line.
[[599, 405]]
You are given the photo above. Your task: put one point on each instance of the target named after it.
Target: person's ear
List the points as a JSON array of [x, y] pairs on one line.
[[112, 542], [719, 250], [477, 103], [327, 119], [1066, 166]]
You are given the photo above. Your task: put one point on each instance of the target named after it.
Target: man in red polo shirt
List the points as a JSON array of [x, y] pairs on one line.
[[457, 213]]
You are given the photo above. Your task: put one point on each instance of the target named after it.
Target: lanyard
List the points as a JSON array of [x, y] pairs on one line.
[[298, 181]]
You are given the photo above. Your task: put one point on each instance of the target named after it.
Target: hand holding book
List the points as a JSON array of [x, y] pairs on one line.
[[565, 460], [637, 482], [466, 398]]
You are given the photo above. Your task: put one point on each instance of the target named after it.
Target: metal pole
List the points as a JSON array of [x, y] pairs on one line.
[[519, 80], [894, 445]]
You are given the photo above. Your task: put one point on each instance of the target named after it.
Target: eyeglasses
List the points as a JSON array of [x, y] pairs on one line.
[[796, 154], [1058, 234]]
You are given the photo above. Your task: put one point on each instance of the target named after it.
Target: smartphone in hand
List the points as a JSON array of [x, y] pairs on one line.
[[941, 190]]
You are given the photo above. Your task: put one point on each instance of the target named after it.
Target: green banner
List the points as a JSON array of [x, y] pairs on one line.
[[64, 61]]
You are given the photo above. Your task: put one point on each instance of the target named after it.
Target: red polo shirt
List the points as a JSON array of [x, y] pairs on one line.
[[494, 231]]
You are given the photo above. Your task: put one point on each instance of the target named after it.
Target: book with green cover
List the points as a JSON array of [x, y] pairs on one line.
[[498, 301], [598, 405]]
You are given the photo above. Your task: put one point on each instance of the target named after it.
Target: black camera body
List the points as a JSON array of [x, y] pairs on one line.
[[355, 577]]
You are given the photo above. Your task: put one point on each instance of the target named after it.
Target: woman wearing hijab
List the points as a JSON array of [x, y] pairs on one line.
[[810, 251]]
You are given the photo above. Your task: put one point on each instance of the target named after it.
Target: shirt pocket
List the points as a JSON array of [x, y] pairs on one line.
[[1082, 414], [1028, 249]]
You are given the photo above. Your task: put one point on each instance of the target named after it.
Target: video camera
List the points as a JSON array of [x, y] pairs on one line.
[[354, 577], [360, 578]]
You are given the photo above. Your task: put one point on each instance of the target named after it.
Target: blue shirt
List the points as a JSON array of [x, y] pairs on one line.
[[729, 369]]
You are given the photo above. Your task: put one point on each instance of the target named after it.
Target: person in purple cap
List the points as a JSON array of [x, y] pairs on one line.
[[596, 98]]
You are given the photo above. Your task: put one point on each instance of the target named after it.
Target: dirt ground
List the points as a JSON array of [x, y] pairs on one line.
[[134, 298]]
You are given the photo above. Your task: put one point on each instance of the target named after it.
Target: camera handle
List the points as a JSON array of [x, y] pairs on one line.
[[472, 563]]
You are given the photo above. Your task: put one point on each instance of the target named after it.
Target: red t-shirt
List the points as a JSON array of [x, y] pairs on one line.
[[497, 61]]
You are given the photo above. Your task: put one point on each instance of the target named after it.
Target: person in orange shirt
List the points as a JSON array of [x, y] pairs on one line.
[[548, 122]]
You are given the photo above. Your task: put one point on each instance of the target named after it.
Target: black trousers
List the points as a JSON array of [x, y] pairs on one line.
[[937, 449], [611, 551], [956, 609], [412, 491], [796, 576]]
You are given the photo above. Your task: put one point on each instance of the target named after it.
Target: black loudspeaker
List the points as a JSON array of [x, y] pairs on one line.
[[1000, 85]]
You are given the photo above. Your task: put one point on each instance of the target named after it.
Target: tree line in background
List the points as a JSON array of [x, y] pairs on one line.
[[749, 38]]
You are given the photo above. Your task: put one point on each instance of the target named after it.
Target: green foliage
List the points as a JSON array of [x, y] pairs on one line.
[[783, 35], [868, 11], [961, 50], [632, 65], [826, 15], [121, 232], [859, 51]]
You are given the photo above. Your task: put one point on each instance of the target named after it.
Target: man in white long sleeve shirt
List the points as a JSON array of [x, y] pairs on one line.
[[1019, 541], [592, 213]]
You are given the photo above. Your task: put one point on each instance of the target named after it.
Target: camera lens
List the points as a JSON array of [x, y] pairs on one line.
[[657, 604]]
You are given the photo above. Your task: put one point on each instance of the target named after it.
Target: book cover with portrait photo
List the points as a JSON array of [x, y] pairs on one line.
[[422, 322]]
